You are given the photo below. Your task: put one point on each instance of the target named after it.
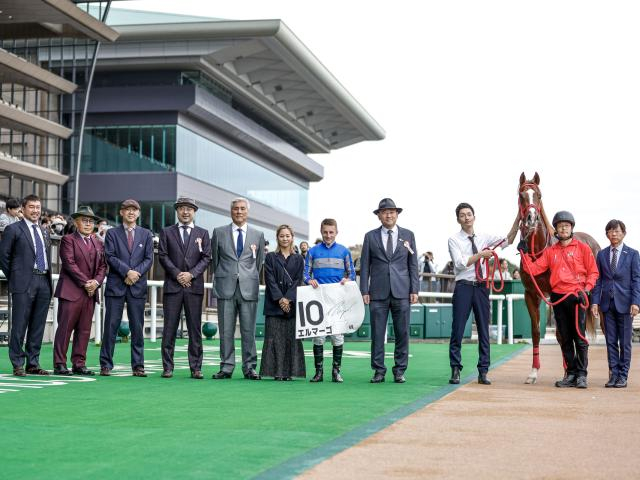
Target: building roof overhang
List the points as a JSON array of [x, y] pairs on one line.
[[14, 69], [15, 118], [50, 18], [271, 71], [14, 166]]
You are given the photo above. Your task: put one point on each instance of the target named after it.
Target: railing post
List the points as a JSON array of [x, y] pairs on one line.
[[510, 319], [97, 318], [154, 312], [499, 335]]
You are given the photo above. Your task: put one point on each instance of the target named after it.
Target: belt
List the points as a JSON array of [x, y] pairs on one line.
[[40, 272], [472, 283]]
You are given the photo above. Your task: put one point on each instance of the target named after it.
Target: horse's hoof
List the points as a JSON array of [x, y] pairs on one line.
[[530, 380]]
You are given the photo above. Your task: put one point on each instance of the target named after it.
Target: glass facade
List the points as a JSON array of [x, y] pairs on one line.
[[170, 147]]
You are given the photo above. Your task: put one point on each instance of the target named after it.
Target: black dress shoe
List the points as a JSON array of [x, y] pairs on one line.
[[399, 379], [581, 382], [221, 375], [61, 370], [139, 372], [455, 375], [19, 372], [167, 374], [378, 378], [612, 381], [252, 375], [197, 374], [483, 380], [621, 383], [105, 372], [36, 371], [566, 382], [82, 371]]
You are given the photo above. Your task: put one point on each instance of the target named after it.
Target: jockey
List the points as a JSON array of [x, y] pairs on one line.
[[573, 274]]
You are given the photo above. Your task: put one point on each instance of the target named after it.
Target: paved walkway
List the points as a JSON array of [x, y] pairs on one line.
[[509, 430]]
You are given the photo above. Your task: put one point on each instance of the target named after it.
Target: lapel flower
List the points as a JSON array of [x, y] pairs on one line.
[[407, 245], [199, 242], [253, 250]]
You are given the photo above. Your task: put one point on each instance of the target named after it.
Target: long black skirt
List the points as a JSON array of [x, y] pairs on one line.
[[282, 354]]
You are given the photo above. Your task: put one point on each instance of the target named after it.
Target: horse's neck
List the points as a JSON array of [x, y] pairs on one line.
[[545, 229]]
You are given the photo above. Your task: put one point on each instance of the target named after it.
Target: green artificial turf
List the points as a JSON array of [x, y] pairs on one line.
[[126, 427]]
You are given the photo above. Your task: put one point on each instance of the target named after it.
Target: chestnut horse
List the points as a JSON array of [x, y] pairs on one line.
[[536, 234]]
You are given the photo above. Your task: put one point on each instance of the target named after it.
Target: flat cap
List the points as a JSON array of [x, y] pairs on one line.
[[189, 202], [130, 202]]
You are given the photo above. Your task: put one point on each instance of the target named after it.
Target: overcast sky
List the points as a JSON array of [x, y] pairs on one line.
[[471, 94]]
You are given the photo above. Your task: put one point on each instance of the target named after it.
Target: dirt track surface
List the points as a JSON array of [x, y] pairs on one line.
[[509, 430]]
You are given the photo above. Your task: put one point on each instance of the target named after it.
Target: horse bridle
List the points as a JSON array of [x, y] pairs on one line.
[[525, 231]]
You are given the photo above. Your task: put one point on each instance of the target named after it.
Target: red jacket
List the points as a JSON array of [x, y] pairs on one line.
[[572, 267]]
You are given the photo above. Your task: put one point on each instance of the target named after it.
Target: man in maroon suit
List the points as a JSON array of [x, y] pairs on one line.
[[83, 271]]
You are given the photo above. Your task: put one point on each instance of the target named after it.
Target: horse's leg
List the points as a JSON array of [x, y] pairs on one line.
[[533, 301]]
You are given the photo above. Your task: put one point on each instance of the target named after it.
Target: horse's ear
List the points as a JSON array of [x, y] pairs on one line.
[[536, 179], [522, 178]]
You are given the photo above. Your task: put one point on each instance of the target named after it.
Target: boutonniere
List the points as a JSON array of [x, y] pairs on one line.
[[253, 250], [407, 245], [140, 245], [199, 242]]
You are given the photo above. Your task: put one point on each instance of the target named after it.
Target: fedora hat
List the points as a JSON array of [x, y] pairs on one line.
[[85, 211], [189, 202], [386, 203]]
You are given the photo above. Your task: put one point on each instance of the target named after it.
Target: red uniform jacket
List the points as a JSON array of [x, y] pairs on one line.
[[80, 263], [572, 267]]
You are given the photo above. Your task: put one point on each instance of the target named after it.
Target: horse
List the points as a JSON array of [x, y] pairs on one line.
[[536, 234]]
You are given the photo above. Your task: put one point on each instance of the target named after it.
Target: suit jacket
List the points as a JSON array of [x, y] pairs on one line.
[[121, 260], [228, 269], [282, 279], [175, 257], [78, 266], [18, 256], [381, 276], [625, 283]]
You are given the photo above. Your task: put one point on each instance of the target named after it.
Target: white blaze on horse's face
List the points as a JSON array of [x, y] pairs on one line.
[[532, 212]]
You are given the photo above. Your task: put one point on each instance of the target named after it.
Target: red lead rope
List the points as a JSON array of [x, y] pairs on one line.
[[527, 264], [490, 269]]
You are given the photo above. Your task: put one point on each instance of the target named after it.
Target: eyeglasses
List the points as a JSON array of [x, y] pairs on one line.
[[87, 221]]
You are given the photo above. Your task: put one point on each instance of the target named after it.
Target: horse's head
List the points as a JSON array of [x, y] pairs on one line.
[[529, 202]]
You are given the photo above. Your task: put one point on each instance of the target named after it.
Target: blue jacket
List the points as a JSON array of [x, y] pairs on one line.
[[120, 260], [328, 264], [381, 276], [625, 283]]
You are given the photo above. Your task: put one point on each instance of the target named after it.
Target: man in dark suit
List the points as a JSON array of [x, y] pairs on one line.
[[83, 271], [184, 253], [617, 294], [129, 253], [25, 259], [389, 281], [238, 253]]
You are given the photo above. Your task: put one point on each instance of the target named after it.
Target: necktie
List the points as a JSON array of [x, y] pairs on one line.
[[185, 234], [389, 243], [239, 243], [614, 260], [40, 265], [130, 239], [474, 249], [86, 241]]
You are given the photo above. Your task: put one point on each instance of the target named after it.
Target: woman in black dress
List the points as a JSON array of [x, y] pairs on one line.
[[282, 354]]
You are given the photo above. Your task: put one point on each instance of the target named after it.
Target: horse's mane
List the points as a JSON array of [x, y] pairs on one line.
[[545, 219]]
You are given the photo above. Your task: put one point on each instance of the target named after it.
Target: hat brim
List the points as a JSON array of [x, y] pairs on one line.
[[76, 215], [377, 210], [186, 204]]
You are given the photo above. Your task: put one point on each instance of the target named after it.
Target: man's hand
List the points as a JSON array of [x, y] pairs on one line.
[[413, 298], [486, 253], [366, 298], [634, 310], [132, 276], [184, 279], [90, 287], [343, 281], [313, 283], [595, 311]]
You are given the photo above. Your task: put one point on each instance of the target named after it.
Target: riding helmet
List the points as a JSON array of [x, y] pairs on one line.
[[563, 216]]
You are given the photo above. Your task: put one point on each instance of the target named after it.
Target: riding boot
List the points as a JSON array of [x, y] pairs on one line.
[[318, 357], [337, 361]]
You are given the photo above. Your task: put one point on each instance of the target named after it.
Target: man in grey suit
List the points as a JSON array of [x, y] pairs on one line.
[[389, 281], [238, 252]]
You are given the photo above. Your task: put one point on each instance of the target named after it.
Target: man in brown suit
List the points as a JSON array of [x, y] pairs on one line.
[[83, 271]]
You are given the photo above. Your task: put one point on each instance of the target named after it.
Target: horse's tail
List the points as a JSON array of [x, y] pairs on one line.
[[590, 325]]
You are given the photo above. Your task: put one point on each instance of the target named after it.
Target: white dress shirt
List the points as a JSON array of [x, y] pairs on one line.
[[33, 239], [384, 235], [235, 234], [188, 225], [460, 250]]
